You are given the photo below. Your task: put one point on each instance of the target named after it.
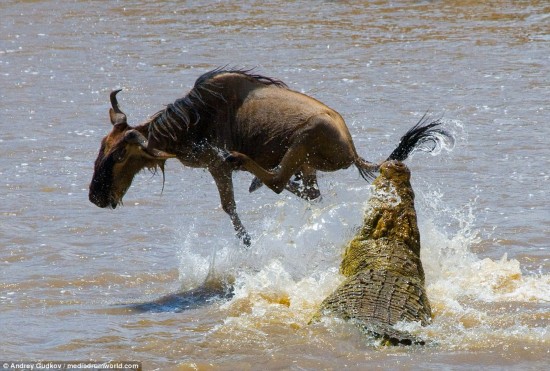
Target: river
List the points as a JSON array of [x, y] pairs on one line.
[[82, 283]]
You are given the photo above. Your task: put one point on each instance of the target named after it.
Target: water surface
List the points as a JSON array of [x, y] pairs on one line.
[[79, 282]]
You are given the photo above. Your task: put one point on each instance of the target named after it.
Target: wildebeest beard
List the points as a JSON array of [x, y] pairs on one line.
[[102, 182]]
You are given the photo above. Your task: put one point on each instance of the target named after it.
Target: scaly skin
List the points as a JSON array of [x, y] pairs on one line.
[[385, 279]]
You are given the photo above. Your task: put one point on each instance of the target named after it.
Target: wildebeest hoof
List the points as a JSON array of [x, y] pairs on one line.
[[256, 183], [312, 194], [245, 237]]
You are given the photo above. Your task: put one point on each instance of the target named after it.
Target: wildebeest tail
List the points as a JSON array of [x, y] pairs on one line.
[[367, 169], [424, 135]]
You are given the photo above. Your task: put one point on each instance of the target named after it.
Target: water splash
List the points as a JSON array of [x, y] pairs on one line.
[[478, 303]]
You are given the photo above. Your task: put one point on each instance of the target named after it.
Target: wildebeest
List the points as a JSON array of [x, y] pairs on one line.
[[236, 120]]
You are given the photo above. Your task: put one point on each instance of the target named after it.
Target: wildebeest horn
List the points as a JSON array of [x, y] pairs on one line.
[[114, 101], [135, 137], [117, 116]]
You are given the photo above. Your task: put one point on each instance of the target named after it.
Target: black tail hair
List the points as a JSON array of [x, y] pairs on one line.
[[422, 133]]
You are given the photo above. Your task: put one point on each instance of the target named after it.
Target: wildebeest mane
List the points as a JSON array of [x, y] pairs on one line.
[[186, 112], [204, 78]]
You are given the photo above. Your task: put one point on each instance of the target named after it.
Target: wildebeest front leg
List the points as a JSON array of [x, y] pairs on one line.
[[224, 182]]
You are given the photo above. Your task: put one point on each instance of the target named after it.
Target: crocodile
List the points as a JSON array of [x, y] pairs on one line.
[[384, 281]]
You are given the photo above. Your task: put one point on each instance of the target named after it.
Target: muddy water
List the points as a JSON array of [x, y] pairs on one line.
[[79, 282]]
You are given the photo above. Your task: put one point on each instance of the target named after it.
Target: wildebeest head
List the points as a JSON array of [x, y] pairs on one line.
[[123, 153]]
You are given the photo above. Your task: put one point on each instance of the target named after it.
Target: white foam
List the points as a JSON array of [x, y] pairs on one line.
[[452, 269], [467, 292]]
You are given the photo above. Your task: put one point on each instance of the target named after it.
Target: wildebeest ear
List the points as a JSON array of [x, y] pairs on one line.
[[135, 137]]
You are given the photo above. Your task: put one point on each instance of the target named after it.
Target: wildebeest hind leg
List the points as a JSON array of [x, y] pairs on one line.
[[276, 179], [304, 184]]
